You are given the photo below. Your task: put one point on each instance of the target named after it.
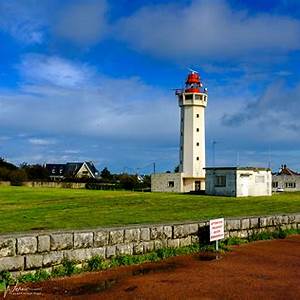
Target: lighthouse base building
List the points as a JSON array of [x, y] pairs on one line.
[[191, 176], [176, 183]]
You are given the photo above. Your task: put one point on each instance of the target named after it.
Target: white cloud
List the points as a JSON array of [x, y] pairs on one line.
[[207, 29], [44, 69], [273, 116], [41, 141], [24, 20], [31, 22], [82, 22], [57, 100]]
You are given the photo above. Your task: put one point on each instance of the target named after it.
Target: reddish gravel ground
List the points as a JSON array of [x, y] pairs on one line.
[[261, 270]]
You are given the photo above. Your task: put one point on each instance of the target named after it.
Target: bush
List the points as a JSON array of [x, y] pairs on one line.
[[95, 263], [4, 174], [124, 260], [235, 241], [6, 278], [101, 186], [129, 182], [69, 266], [58, 272], [165, 252], [17, 177], [35, 172]]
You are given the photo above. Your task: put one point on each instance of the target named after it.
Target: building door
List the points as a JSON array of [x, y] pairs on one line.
[[244, 181], [197, 186]]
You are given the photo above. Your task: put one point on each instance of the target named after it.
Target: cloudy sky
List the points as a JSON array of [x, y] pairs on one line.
[[93, 79]]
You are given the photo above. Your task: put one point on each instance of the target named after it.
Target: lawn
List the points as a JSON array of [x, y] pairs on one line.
[[25, 208]]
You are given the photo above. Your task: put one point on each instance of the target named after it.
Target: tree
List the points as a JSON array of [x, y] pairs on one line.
[[7, 165], [17, 177], [35, 172], [128, 182], [105, 174]]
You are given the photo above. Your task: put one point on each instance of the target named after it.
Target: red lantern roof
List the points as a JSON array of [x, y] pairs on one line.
[[193, 78], [193, 83]]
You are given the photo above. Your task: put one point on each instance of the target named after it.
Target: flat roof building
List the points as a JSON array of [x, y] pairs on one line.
[[238, 181]]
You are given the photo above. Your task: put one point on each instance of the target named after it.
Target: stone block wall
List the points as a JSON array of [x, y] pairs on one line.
[[31, 251]]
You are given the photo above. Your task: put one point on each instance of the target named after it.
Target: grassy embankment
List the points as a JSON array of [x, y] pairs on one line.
[[24, 208]]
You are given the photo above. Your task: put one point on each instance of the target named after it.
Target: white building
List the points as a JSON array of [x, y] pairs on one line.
[[191, 176], [238, 182], [286, 180]]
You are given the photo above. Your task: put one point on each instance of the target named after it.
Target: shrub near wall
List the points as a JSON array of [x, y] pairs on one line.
[[27, 252]]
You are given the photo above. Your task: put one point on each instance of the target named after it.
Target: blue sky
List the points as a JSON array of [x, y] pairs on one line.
[[93, 80]]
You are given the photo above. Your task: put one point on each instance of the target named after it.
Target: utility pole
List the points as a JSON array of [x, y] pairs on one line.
[[269, 157], [238, 159], [154, 168], [214, 152]]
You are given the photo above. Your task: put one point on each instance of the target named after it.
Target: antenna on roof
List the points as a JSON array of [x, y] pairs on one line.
[[191, 70]]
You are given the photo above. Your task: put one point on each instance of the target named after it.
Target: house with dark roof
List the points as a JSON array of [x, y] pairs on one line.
[[72, 170], [286, 179]]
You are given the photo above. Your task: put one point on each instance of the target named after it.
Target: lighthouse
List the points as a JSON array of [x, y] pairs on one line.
[[192, 100]]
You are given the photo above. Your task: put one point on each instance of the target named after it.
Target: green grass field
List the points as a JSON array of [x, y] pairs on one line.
[[24, 208]]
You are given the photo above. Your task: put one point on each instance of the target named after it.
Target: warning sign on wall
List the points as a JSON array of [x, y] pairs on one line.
[[216, 229]]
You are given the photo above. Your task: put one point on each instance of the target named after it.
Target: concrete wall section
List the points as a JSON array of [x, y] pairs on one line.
[[167, 182], [27, 252], [259, 183], [211, 186]]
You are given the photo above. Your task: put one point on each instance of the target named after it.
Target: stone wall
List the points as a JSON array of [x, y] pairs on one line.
[[30, 251]]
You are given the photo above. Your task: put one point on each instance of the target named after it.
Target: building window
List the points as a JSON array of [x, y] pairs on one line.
[[197, 129], [197, 158], [259, 179], [170, 184], [189, 97], [291, 185], [198, 97], [275, 184], [197, 115], [220, 181], [197, 144]]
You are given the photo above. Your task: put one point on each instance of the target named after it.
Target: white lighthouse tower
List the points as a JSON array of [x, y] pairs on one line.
[[191, 177], [192, 101]]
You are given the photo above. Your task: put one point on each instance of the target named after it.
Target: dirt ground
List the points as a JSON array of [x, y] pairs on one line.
[[261, 270]]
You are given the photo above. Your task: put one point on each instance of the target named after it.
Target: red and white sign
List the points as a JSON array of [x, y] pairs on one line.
[[216, 229]]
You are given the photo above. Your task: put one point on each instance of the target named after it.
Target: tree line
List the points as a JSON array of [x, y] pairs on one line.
[[36, 172]]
